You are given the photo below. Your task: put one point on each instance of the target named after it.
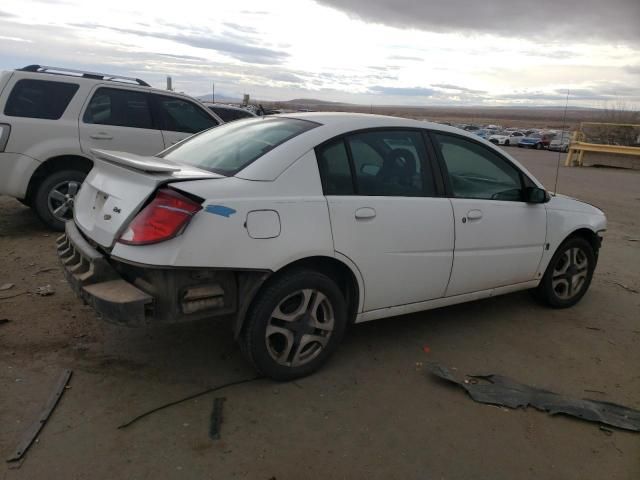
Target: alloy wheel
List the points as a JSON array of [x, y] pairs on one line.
[[299, 327], [60, 199], [570, 273]]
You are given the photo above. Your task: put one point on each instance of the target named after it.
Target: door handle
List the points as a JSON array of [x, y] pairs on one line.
[[474, 214], [101, 136], [365, 213]]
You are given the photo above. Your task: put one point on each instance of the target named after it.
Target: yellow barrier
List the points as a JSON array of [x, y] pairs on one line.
[[578, 147]]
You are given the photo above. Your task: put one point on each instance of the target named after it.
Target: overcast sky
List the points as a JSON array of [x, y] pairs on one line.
[[398, 52]]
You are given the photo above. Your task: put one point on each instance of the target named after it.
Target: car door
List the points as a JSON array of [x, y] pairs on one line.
[[181, 118], [386, 216], [499, 238], [119, 119], [515, 137]]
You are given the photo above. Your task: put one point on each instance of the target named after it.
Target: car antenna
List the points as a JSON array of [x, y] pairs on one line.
[[564, 126]]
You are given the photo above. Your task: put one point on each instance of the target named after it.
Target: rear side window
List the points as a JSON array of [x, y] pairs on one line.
[[39, 99], [335, 171], [121, 108], [182, 116], [232, 146]]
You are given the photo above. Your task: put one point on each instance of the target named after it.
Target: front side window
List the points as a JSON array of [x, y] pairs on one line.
[[477, 172], [233, 146], [39, 99], [120, 108], [182, 116]]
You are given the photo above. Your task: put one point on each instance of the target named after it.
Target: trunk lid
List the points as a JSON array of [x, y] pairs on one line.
[[117, 188]]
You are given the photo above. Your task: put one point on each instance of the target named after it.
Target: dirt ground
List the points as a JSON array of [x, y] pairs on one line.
[[371, 413]]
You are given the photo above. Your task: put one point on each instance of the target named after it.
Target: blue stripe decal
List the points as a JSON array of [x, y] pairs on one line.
[[220, 210]]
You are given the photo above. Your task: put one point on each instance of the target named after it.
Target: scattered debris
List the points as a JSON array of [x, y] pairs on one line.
[[31, 433], [12, 296], [216, 418], [44, 291], [594, 391], [185, 399], [6, 286], [628, 289], [594, 328], [44, 270], [499, 390], [607, 431], [4, 320]]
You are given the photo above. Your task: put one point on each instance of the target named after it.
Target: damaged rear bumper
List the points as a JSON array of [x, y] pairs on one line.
[[136, 295]]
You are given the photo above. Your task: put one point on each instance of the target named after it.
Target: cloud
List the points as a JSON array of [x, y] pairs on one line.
[[403, 91], [587, 20], [448, 86], [405, 58], [242, 51], [633, 69]]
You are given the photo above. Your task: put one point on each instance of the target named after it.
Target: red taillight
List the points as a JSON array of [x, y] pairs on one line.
[[165, 217]]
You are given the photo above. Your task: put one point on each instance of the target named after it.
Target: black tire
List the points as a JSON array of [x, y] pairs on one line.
[[506, 143], [520, 146], [552, 296], [259, 348], [538, 146], [41, 197]]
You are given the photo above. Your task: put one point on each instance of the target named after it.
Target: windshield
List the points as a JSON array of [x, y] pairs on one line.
[[231, 147]]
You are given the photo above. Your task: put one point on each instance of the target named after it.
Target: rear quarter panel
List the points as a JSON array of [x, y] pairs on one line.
[[218, 241]]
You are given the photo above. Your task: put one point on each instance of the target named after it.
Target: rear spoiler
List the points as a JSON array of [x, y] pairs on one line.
[[137, 162]]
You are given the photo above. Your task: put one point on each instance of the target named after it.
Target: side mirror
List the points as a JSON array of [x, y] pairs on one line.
[[536, 195]]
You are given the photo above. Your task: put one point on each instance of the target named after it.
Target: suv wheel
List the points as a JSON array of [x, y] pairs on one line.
[[294, 326], [568, 275], [53, 200], [506, 143]]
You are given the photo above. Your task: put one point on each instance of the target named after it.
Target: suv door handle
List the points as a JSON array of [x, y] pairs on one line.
[[474, 214], [365, 213], [101, 136]]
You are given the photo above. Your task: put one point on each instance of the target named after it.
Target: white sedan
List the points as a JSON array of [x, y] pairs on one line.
[[295, 226], [506, 138]]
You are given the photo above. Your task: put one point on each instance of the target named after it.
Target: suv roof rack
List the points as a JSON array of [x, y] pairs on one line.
[[83, 74]]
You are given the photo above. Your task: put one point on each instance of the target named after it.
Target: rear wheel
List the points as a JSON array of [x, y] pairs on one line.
[[295, 325], [568, 275], [53, 200], [538, 146], [506, 143]]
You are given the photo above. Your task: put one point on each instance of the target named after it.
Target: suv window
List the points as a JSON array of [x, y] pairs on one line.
[[389, 163], [230, 114], [39, 99], [181, 116], [118, 107], [477, 172]]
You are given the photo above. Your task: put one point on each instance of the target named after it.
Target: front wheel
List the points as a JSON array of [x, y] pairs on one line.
[[53, 200], [568, 274], [538, 146], [295, 325]]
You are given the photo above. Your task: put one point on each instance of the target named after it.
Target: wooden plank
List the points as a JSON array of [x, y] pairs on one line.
[[32, 432]]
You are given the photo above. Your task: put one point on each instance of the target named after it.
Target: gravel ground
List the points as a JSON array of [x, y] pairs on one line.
[[371, 413]]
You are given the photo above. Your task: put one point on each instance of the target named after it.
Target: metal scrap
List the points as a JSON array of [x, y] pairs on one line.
[[32, 432], [44, 291], [216, 418], [499, 390]]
